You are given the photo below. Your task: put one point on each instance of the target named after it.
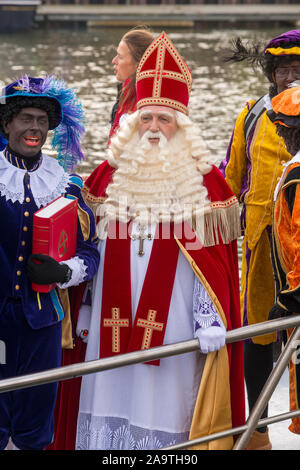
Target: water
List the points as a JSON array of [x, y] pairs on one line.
[[83, 59]]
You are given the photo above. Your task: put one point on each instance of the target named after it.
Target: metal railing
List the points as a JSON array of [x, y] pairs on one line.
[[99, 365]]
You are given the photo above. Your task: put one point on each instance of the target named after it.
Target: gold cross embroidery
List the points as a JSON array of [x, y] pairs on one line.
[[159, 70], [116, 323], [150, 325]]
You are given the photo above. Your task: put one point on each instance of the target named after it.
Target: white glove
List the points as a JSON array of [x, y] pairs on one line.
[[83, 323], [211, 338]]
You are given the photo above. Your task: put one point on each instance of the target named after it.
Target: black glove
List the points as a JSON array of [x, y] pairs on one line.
[[278, 312], [47, 270]]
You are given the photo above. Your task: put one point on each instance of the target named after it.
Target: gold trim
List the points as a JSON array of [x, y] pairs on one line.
[[149, 324], [204, 282], [222, 223], [163, 43], [160, 60], [167, 74], [90, 197], [224, 204], [39, 300], [212, 412], [84, 221], [66, 323], [275, 251], [115, 323], [283, 51], [289, 183], [163, 102]]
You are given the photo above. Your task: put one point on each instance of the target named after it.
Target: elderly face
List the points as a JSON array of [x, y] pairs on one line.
[[156, 119], [286, 74], [27, 132], [124, 64]]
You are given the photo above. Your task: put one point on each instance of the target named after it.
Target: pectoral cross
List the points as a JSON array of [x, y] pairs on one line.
[[141, 236]]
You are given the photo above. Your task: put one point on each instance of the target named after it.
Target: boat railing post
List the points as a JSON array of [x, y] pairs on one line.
[[268, 389]]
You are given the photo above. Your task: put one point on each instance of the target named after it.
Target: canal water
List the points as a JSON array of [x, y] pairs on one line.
[[83, 58]]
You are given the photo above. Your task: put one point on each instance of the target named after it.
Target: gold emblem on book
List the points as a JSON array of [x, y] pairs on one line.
[[63, 243]]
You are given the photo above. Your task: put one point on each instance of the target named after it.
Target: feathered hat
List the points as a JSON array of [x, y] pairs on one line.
[[279, 50], [68, 122], [162, 77], [285, 44]]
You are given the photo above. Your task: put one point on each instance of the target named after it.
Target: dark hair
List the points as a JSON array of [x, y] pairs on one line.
[[137, 40], [14, 105], [254, 54], [291, 137]]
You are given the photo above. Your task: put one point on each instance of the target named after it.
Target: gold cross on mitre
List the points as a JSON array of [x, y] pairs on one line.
[[116, 323], [150, 325], [141, 236], [161, 69]]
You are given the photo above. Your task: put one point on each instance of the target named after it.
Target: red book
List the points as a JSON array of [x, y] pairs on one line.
[[55, 233]]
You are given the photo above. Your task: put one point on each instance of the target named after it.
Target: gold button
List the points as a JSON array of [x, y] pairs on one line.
[[20, 258], [28, 186], [18, 273], [17, 287], [27, 199], [26, 213], [23, 243], [25, 229]]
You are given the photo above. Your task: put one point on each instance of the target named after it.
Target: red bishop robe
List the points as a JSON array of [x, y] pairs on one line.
[[220, 403]]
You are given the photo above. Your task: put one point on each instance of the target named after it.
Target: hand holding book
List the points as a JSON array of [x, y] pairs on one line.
[[43, 269], [54, 235]]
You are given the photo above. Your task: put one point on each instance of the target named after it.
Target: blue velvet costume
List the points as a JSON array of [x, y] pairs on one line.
[[30, 325]]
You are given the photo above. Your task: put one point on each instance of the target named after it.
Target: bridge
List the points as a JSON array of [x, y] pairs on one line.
[[196, 15]]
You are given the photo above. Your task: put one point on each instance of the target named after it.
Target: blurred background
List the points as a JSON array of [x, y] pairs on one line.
[[81, 53]]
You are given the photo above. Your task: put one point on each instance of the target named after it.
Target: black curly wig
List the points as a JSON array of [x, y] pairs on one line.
[[14, 105], [291, 137]]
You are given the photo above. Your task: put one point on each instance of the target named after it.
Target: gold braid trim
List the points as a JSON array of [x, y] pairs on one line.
[[204, 282], [222, 223], [90, 197], [212, 412], [66, 324]]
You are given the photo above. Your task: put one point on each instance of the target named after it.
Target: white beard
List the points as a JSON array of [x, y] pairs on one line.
[[155, 184]]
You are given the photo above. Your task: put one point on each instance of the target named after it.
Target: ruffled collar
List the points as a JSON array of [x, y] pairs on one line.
[[47, 182]]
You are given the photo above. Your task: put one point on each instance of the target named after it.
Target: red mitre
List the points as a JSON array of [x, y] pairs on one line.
[[162, 77]]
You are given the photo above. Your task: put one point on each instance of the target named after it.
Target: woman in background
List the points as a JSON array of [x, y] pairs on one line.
[[129, 53]]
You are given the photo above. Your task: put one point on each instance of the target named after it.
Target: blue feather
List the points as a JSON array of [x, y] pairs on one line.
[[68, 135]]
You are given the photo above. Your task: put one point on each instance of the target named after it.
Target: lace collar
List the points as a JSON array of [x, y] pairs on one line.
[[47, 182]]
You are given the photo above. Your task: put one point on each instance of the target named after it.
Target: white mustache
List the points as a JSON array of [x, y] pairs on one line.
[[152, 135]]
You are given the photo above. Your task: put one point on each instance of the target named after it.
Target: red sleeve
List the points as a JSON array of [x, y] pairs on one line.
[[95, 185]]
